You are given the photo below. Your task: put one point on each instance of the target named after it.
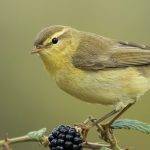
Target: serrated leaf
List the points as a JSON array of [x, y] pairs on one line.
[[131, 124], [37, 135]]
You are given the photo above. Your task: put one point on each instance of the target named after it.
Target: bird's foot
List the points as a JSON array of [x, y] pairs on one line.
[[108, 136], [104, 133]]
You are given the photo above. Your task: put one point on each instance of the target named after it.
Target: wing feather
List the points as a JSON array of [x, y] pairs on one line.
[[95, 53]]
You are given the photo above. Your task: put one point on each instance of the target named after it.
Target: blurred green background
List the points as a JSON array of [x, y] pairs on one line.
[[29, 98]]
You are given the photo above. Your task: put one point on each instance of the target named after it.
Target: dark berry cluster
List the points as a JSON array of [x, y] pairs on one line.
[[65, 138]]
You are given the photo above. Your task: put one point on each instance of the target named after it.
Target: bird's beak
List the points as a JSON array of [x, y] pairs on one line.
[[36, 50]]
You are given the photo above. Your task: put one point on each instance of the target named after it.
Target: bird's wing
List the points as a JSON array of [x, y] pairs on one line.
[[100, 53]]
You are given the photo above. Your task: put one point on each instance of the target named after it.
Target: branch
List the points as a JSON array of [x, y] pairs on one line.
[[105, 133], [39, 136], [98, 146], [35, 136]]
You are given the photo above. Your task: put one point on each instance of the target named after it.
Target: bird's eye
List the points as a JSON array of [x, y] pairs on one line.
[[55, 40]]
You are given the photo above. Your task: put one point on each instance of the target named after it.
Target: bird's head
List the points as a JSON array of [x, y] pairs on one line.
[[55, 45]]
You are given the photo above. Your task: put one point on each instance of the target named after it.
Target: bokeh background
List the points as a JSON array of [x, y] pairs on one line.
[[29, 98]]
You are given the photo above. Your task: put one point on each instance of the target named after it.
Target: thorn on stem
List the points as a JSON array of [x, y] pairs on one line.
[[6, 144]]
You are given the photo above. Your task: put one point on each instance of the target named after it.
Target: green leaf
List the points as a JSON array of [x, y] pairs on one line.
[[131, 124], [37, 135]]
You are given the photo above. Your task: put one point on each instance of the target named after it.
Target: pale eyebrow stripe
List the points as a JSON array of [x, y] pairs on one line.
[[60, 33], [57, 34]]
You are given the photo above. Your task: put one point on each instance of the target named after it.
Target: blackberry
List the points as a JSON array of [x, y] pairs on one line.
[[65, 138]]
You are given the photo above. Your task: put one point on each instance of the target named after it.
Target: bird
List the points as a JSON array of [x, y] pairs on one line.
[[94, 68]]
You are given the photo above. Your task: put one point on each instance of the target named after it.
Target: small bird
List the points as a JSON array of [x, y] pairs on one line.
[[94, 68]]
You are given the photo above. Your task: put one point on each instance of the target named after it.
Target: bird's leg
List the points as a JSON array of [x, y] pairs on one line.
[[107, 127], [119, 114], [86, 126], [104, 117], [95, 122], [106, 134]]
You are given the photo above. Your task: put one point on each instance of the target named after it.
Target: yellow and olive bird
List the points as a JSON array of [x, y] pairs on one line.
[[94, 68]]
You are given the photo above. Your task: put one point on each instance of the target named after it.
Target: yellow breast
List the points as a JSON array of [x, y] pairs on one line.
[[105, 86]]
